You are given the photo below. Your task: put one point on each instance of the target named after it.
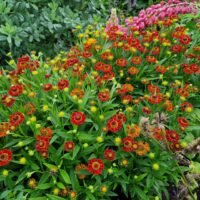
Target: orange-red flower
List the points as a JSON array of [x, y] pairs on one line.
[[133, 70], [155, 99], [114, 125], [185, 105], [122, 62], [87, 54], [183, 121], [42, 143], [78, 118], [158, 134], [120, 116], [151, 59], [46, 132], [142, 149], [104, 96], [161, 69], [109, 154], [8, 101], [133, 131], [79, 168], [172, 136], [4, 127], [127, 144], [77, 92], [15, 90], [5, 157], [47, 87], [168, 106], [69, 146], [153, 88], [185, 39], [136, 60], [98, 66], [16, 118], [106, 68], [62, 84], [95, 166]]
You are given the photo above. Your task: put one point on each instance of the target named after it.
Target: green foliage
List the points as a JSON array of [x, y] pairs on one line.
[[41, 25]]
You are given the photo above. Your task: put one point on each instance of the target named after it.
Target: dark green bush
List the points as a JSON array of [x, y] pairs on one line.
[[46, 25]]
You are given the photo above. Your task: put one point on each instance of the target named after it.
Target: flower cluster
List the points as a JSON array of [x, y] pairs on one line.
[[108, 113], [161, 11]]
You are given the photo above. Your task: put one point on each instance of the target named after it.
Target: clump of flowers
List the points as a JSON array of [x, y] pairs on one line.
[[162, 11], [105, 118]]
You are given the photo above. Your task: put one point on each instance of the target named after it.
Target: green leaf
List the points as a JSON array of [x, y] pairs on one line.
[[65, 176], [75, 151], [38, 198], [44, 186], [53, 197], [21, 177], [44, 178], [60, 185]]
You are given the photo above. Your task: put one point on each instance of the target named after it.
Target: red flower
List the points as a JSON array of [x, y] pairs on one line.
[[5, 157], [22, 62], [151, 59], [47, 76], [153, 88], [95, 166], [176, 48], [127, 98], [185, 105], [29, 108], [127, 144], [71, 61], [120, 116], [16, 118], [109, 154], [185, 39], [4, 127], [62, 84], [7, 101], [78, 118], [47, 87], [175, 147], [46, 132], [108, 76], [146, 110], [42, 143], [155, 51], [122, 62], [183, 121], [114, 125], [106, 55], [155, 99], [104, 96], [161, 69], [158, 134], [15, 90], [106, 68], [98, 66], [133, 70], [172, 136], [182, 92], [86, 54], [69, 146], [136, 60]]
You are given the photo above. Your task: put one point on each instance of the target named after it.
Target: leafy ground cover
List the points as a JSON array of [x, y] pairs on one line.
[[115, 117]]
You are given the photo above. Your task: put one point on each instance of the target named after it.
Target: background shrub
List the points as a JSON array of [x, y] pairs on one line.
[[43, 25]]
